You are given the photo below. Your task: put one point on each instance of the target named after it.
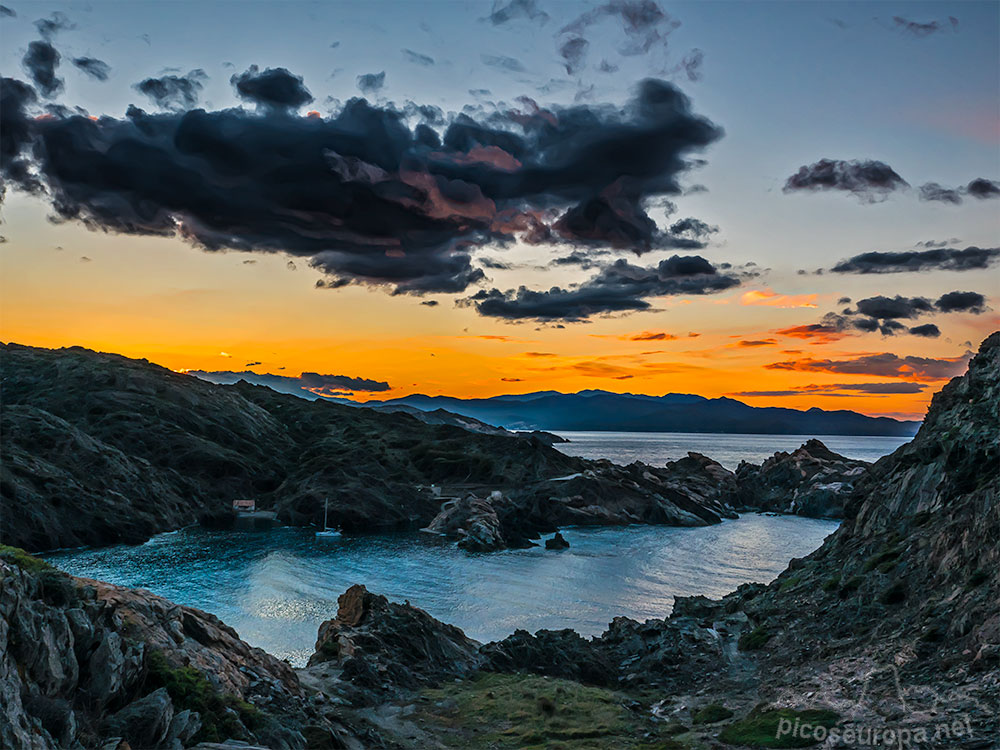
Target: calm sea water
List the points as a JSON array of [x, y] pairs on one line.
[[276, 587], [657, 448]]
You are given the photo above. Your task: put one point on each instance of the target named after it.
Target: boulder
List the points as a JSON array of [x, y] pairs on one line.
[[144, 722], [557, 542], [383, 648]]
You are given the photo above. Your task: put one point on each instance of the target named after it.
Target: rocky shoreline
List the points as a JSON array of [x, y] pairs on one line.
[[142, 450], [892, 625]]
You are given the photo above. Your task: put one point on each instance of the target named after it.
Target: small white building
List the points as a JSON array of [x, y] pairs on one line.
[[244, 506]]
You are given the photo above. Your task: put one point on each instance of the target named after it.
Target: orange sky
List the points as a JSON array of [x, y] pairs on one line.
[[187, 309]]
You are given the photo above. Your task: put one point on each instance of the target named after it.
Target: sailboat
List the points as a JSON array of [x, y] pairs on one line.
[[327, 532]]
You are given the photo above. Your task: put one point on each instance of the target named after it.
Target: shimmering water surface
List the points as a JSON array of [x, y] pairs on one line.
[[657, 448], [276, 587]]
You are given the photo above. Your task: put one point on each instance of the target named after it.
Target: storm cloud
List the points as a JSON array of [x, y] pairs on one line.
[[274, 88], [361, 195], [938, 259], [617, 287], [96, 69], [869, 180], [40, 63], [172, 91]]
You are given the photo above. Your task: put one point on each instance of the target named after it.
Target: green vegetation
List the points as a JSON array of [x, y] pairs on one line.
[[221, 714], [498, 711], [711, 713], [790, 583], [776, 727], [831, 584], [851, 585], [20, 558], [884, 560], [754, 640], [895, 594]]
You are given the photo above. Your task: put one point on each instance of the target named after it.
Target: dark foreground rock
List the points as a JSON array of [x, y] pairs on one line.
[[810, 481], [374, 648], [84, 662]]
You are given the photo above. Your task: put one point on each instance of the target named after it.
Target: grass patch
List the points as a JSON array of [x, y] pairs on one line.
[[711, 713], [500, 711], [790, 583], [851, 585], [761, 728], [20, 558], [190, 689], [883, 558], [754, 640], [895, 594]]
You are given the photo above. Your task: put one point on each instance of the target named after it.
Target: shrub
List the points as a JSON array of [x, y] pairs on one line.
[[754, 640], [831, 584], [895, 594], [20, 558], [711, 714], [760, 727], [850, 586]]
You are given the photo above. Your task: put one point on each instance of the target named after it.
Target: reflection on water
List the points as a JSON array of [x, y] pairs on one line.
[[276, 587], [656, 448]]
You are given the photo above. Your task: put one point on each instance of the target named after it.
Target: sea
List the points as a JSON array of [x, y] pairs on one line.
[[276, 587]]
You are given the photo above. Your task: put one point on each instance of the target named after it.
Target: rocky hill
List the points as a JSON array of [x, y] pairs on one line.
[[98, 448]]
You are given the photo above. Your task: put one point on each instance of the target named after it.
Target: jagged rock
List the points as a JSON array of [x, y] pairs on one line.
[[810, 481], [473, 520], [76, 655], [555, 653], [143, 722], [383, 648], [557, 542]]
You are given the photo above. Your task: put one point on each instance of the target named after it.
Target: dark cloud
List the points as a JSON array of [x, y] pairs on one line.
[[360, 195], [504, 12], [883, 365], [503, 62], [931, 191], [844, 301], [371, 83], [938, 259], [961, 302], [645, 24], [922, 29], [174, 92], [15, 134], [96, 69], [927, 330], [869, 180], [574, 54], [576, 258], [416, 58], [689, 234], [617, 287], [306, 383], [49, 27], [40, 63], [982, 188], [430, 302], [6, 12], [275, 88], [843, 389], [888, 308], [938, 243]]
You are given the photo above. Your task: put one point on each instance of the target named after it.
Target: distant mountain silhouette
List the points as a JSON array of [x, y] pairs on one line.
[[674, 412]]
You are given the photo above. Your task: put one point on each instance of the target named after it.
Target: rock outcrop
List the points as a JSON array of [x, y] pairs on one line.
[[84, 662], [810, 481], [373, 649]]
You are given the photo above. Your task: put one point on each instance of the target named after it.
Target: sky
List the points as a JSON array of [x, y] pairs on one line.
[[792, 204]]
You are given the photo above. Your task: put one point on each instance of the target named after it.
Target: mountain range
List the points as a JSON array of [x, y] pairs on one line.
[[596, 410]]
